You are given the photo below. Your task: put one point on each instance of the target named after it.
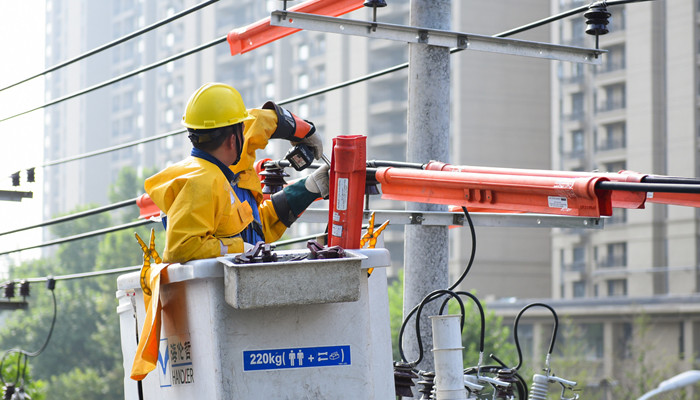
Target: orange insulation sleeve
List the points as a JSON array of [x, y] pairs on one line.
[[539, 194], [347, 189], [620, 198], [260, 33]]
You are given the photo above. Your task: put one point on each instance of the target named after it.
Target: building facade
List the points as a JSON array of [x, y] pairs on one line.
[[499, 105], [637, 111]]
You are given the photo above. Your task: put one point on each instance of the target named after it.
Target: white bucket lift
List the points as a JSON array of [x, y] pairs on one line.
[[310, 329]]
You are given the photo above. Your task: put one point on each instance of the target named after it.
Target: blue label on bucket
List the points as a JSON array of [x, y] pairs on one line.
[[298, 357]]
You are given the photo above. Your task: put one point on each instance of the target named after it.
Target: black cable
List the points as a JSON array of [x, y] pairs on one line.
[[473, 251], [428, 298], [26, 354], [481, 314], [649, 187], [563, 15], [71, 217], [115, 42], [121, 77], [82, 235], [670, 179], [515, 331], [417, 310]]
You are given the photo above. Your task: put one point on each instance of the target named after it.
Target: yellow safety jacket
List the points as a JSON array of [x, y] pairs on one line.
[[204, 214]]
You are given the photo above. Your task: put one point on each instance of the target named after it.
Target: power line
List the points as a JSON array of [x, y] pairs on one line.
[[113, 148], [84, 235], [81, 275], [71, 217], [115, 42], [121, 77], [340, 85]]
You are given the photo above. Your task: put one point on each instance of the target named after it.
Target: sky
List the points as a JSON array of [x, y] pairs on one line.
[[22, 41]]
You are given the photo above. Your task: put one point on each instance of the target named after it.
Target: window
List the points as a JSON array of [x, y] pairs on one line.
[[615, 167], [617, 287], [579, 289], [579, 258], [303, 110], [269, 62], [615, 256], [592, 335], [577, 144], [303, 52], [577, 102], [615, 137], [303, 82], [270, 90], [615, 98]]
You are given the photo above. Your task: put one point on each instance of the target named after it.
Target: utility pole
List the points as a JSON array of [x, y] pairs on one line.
[[426, 248]]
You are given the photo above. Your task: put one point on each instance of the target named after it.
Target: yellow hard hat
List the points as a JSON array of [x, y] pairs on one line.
[[214, 105]]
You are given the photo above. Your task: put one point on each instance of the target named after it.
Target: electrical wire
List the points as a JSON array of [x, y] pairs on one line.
[[438, 293], [327, 89], [115, 42], [418, 309], [120, 77], [82, 236], [27, 354], [71, 217], [331, 88], [79, 275], [551, 341]]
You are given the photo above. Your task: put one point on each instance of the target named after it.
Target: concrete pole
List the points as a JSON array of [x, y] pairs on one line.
[[426, 247]]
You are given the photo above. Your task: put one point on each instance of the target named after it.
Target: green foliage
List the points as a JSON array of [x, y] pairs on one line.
[[81, 383], [83, 356], [18, 373]]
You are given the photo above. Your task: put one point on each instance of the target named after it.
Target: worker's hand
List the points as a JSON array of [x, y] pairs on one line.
[[318, 181], [312, 141]]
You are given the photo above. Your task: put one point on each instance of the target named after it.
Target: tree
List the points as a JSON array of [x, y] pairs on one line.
[[83, 357]]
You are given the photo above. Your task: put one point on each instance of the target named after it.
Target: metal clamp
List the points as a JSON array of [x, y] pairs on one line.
[[416, 218]]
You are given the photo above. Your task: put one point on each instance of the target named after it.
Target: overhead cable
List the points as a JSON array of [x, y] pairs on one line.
[[121, 77], [340, 85], [113, 148], [80, 275], [71, 217], [82, 236], [115, 42]]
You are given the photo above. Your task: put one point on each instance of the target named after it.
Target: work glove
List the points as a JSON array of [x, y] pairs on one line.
[[318, 181], [291, 201], [295, 129]]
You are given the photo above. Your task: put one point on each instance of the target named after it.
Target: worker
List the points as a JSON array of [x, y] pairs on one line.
[[212, 200]]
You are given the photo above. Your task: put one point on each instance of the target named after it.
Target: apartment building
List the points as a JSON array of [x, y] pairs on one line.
[[637, 111], [499, 105]]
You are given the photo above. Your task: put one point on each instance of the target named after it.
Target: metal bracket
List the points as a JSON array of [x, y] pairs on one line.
[[416, 218], [448, 218], [435, 37]]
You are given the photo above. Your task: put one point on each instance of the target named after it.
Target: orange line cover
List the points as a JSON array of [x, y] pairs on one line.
[[538, 194], [260, 33]]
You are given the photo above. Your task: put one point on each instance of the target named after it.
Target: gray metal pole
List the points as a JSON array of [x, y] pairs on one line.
[[426, 247]]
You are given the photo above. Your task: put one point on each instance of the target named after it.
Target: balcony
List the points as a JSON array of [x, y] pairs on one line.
[[609, 68], [576, 266], [611, 143], [611, 105], [577, 115], [572, 80], [612, 262]]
